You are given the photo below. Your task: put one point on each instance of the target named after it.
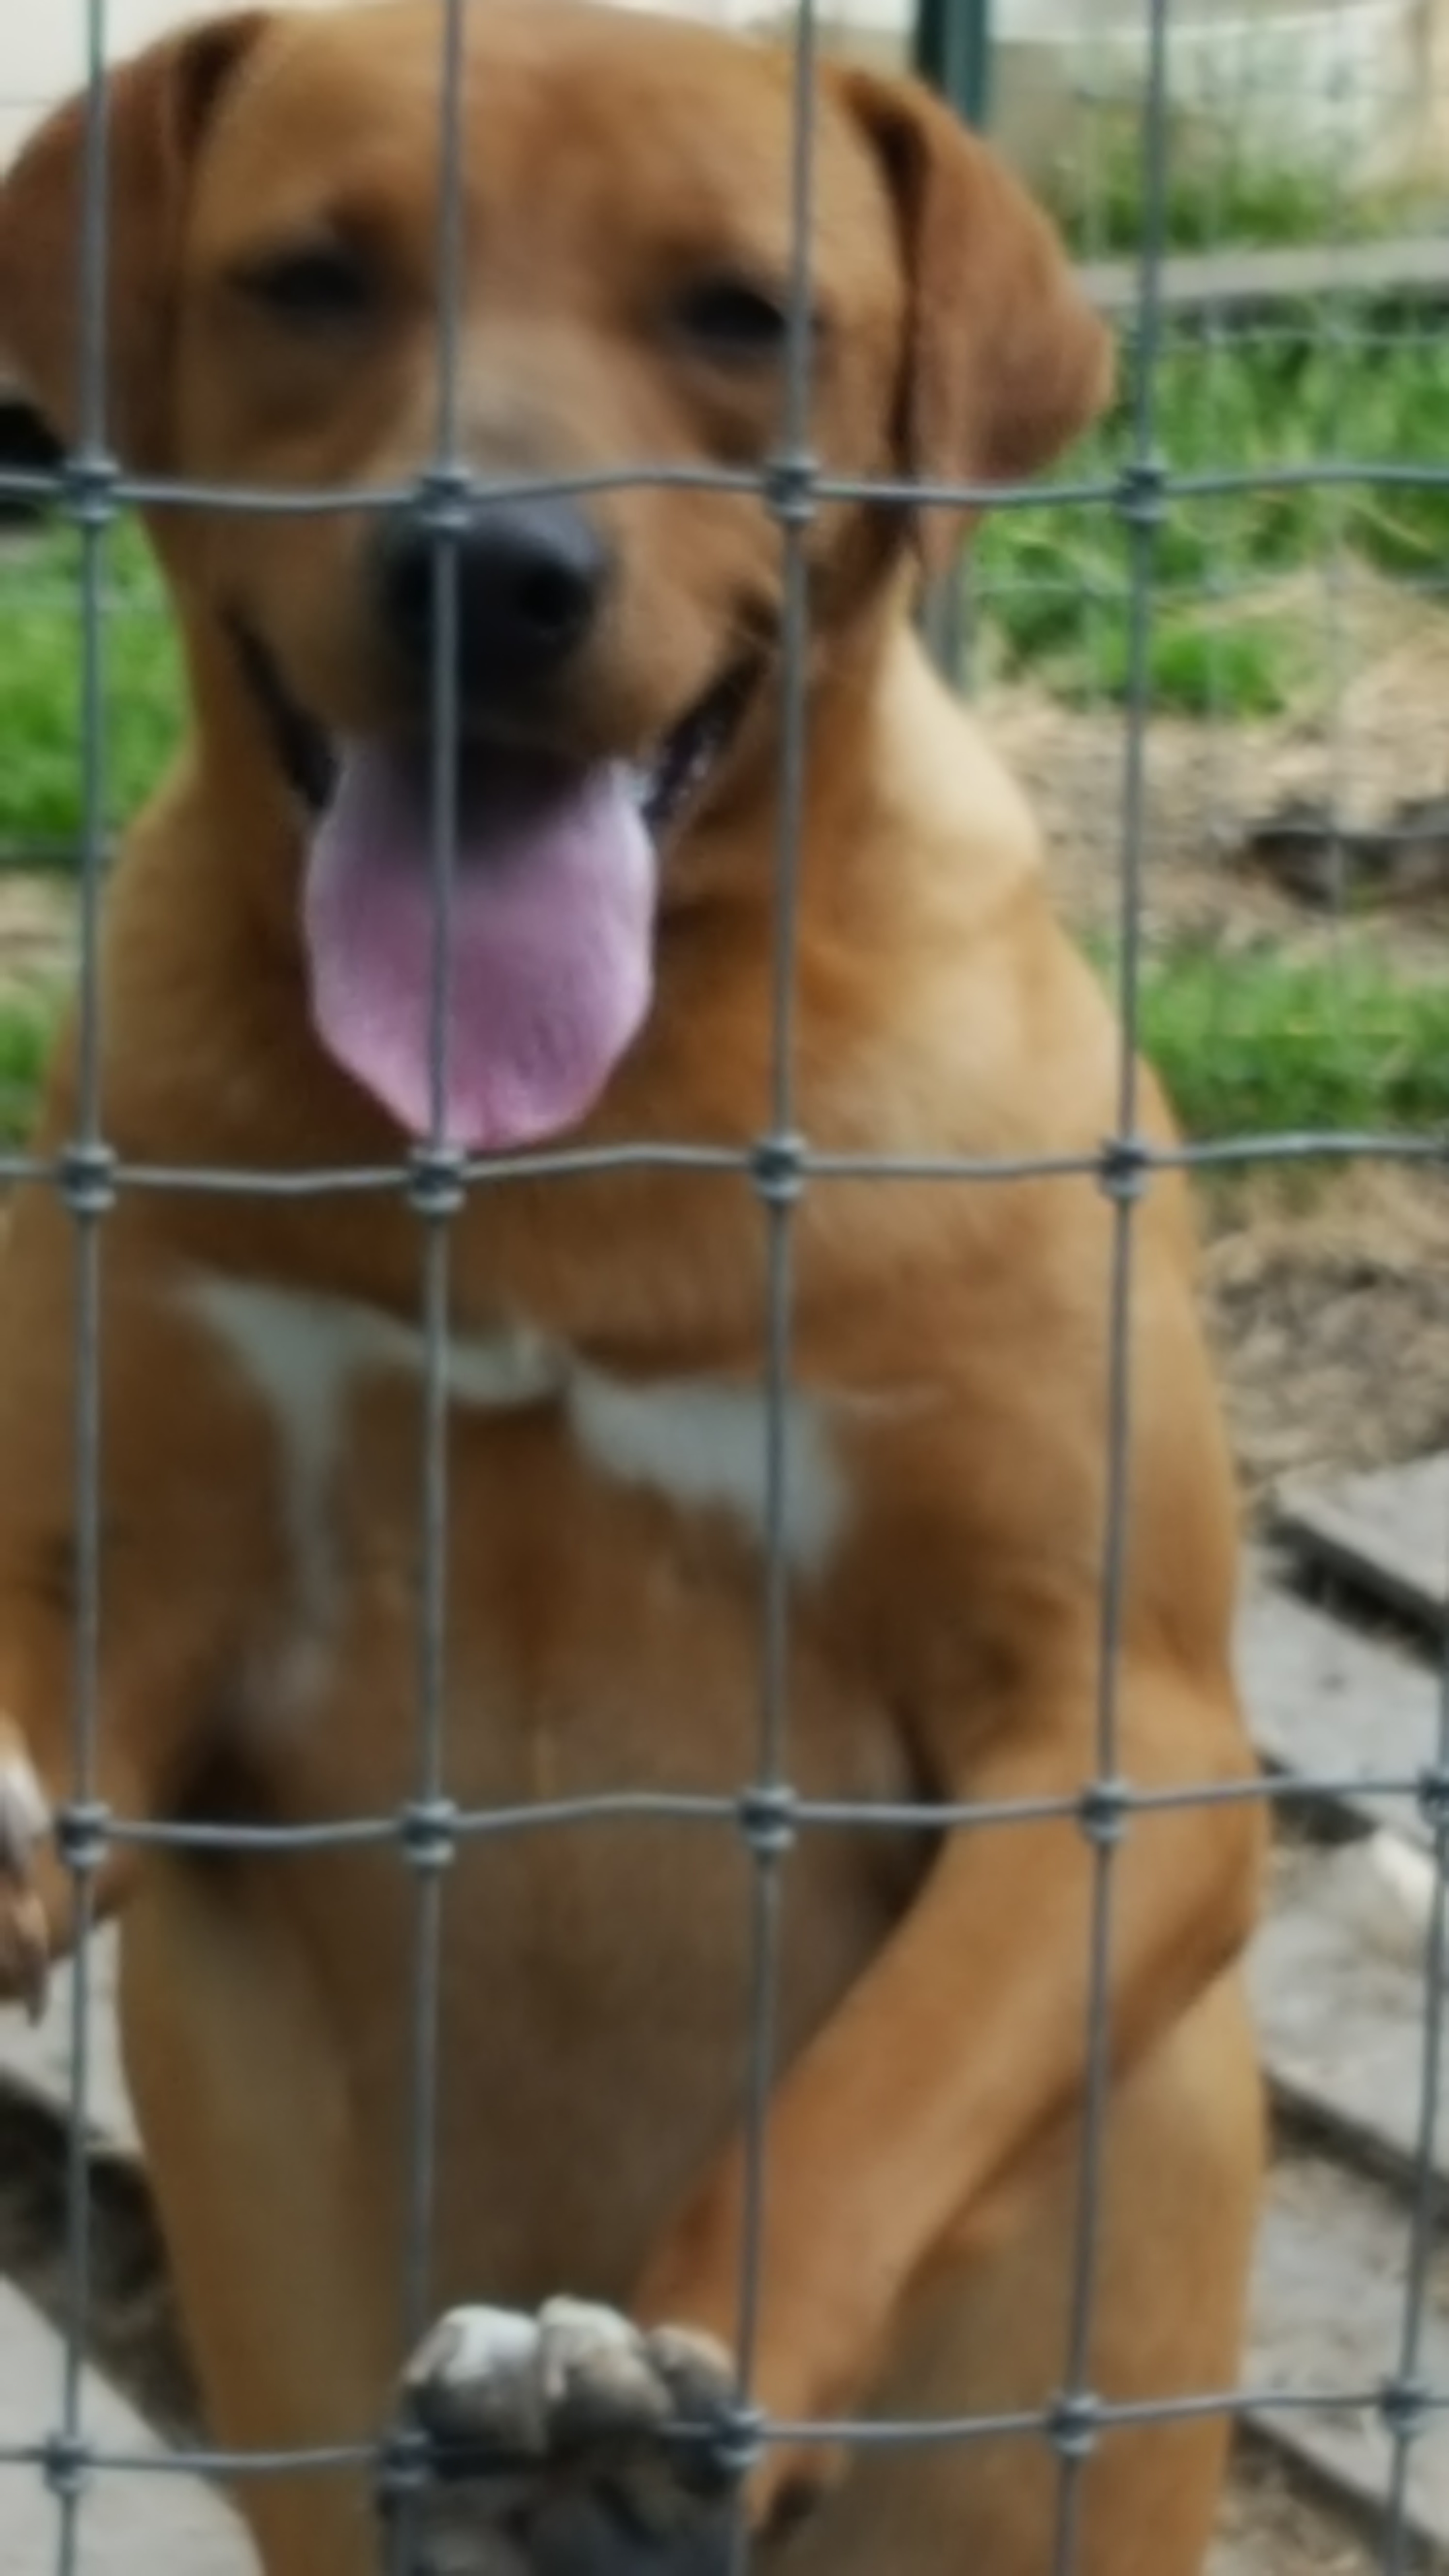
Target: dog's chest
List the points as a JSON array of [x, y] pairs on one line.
[[598, 1556], [601, 1615]]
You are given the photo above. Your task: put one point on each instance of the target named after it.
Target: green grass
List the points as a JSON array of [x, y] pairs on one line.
[[1198, 665], [40, 687], [1214, 194], [1257, 1044], [1053, 582]]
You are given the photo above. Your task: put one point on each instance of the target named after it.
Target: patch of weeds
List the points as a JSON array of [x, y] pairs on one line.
[[1200, 669], [1052, 579], [1199, 663], [41, 635], [27, 1026], [1257, 1043], [1216, 194]]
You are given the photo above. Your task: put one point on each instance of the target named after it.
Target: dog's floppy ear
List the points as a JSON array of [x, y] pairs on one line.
[[156, 110], [1005, 360]]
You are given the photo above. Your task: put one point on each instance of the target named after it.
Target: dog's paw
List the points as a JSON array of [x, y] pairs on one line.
[[572, 2444], [24, 1831]]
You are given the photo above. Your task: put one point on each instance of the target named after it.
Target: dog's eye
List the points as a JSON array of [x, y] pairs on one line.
[[730, 322], [314, 283]]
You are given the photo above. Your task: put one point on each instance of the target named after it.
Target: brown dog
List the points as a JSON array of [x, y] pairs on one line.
[[274, 321]]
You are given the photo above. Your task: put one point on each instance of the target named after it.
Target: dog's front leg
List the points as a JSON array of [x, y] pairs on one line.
[[893, 2140], [110, 1674], [896, 2137]]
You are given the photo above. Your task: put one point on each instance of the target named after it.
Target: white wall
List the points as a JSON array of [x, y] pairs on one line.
[[1364, 80]]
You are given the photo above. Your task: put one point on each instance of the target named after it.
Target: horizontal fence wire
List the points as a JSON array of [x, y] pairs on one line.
[[1123, 1164], [106, 492], [92, 492], [759, 1811], [1389, 2399]]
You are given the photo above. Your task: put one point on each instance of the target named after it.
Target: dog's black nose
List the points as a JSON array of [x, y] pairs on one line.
[[530, 577]]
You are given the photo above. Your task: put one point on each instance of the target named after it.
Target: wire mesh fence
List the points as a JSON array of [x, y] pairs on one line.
[[1251, 552]]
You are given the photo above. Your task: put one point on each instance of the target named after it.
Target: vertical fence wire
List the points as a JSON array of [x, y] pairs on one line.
[[87, 1196], [1214, 345], [1102, 1815], [435, 1192], [1335, 340], [777, 1181], [436, 1196], [1404, 2402]]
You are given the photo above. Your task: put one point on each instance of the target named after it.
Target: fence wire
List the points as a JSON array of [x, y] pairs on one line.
[[1138, 493]]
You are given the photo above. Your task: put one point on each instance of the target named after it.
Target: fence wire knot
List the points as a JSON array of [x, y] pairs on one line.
[[66, 2463], [428, 1832], [1432, 1795], [404, 2466], [1103, 1811], [1073, 2423], [444, 500], [86, 1172], [777, 1168], [1124, 1167], [788, 485], [1140, 497], [767, 1818], [437, 1181], [82, 1835], [88, 482], [1403, 2407], [737, 2441]]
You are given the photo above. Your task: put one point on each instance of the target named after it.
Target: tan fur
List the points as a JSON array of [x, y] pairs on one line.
[[593, 2015]]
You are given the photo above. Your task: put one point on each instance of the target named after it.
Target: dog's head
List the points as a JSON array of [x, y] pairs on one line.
[[621, 262]]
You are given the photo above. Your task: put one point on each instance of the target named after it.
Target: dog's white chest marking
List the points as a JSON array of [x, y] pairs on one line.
[[700, 1443], [703, 1443]]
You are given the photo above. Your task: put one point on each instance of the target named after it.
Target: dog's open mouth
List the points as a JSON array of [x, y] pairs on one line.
[[550, 915], [687, 757]]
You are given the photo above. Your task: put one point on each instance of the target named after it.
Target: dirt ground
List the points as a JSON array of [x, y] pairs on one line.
[[1268, 827], [1271, 2527], [37, 917], [1330, 1316], [1331, 1326]]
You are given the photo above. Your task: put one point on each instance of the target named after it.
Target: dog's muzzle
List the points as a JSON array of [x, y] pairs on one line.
[[666, 781], [516, 595]]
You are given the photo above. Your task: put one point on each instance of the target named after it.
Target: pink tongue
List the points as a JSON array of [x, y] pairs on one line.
[[551, 927]]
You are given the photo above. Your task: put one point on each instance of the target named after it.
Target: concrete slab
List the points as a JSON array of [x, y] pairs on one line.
[[1328, 2324], [1388, 1533], [132, 2522], [1328, 1701], [1337, 1974]]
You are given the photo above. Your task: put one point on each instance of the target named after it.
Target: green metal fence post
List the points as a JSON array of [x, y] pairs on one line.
[[952, 50]]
